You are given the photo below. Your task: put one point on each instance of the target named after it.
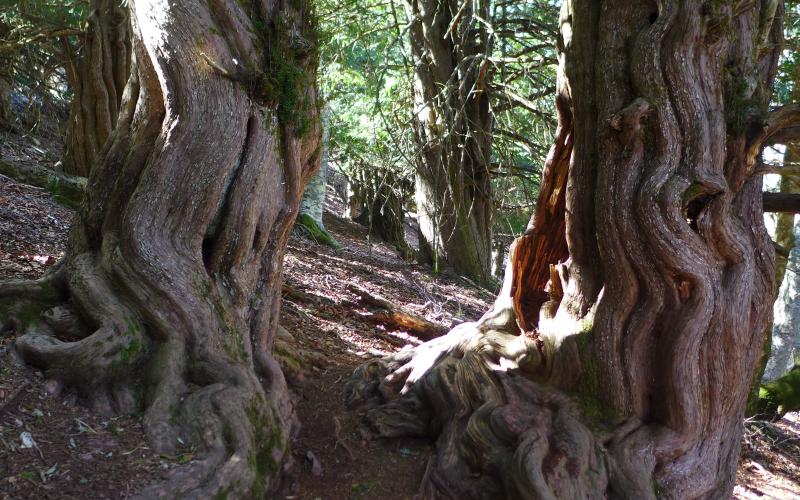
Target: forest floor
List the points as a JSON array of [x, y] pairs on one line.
[[56, 448]]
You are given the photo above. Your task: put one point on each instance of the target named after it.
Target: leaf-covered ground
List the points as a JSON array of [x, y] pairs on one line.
[[78, 454]]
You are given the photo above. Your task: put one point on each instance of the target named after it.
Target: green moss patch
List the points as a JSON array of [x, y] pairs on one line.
[[307, 226]]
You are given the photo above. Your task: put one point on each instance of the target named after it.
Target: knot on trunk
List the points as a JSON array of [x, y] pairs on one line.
[[628, 121]]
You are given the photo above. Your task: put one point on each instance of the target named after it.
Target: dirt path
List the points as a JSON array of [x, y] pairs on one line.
[[79, 454], [353, 463]]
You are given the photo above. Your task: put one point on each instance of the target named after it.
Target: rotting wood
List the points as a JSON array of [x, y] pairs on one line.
[[397, 317]]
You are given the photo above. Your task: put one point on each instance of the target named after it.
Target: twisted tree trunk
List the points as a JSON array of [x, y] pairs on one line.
[[168, 298], [617, 359], [451, 46], [98, 80]]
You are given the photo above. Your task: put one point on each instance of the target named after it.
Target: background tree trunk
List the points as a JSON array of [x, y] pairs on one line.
[[785, 352], [168, 298], [453, 133], [6, 115], [313, 202], [785, 331], [98, 80], [312, 205], [618, 356], [376, 201]]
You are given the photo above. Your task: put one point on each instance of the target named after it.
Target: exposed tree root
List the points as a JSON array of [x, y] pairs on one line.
[[237, 421], [498, 433]]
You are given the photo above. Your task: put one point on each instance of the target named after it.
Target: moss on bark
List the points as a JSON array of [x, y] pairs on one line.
[[782, 395], [306, 225]]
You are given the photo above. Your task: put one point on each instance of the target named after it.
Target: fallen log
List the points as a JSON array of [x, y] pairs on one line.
[[66, 189], [396, 317]]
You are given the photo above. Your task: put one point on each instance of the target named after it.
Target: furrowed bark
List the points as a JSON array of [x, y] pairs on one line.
[[453, 127], [617, 359], [168, 298], [98, 80]]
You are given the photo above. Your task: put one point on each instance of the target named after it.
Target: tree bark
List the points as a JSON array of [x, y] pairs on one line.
[[6, 115], [450, 47], [98, 80], [785, 349], [313, 202], [167, 300], [784, 203], [617, 359]]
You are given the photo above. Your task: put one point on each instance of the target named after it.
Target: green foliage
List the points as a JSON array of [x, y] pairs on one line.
[[367, 79], [785, 80], [36, 38]]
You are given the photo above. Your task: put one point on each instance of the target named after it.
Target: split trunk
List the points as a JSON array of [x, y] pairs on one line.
[[617, 359]]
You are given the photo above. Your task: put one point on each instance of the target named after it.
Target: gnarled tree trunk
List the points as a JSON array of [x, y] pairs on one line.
[[167, 300], [453, 131], [617, 359], [98, 80]]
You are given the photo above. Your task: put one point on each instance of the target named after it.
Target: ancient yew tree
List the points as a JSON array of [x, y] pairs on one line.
[[453, 129], [97, 78], [617, 359], [168, 297]]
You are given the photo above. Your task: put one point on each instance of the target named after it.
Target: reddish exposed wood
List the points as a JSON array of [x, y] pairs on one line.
[[666, 290], [397, 317], [544, 243]]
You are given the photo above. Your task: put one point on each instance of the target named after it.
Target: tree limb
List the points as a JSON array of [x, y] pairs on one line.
[[788, 170], [782, 118], [782, 202]]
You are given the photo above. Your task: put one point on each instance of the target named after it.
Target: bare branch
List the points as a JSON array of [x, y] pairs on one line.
[[782, 202]]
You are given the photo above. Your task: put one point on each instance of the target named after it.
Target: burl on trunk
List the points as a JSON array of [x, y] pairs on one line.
[[168, 297], [617, 359]]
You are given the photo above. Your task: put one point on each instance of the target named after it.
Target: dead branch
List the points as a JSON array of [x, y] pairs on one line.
[[396, 317]]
